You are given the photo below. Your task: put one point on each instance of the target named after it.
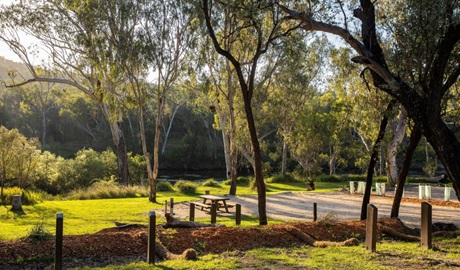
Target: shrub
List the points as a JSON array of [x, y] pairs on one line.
[[227, 182], [31, 197], [243, 180], [186, 187], [28, 197], [164, 186], [38, 233], [106, 189], [276, 179], [327, 178], [210, 183], [353, 177], [281, 179]]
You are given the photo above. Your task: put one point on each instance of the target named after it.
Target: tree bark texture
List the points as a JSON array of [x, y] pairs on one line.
[[415, 137], [247, 89], [121, 152], [424, 109], [373, 160], [397, 134]]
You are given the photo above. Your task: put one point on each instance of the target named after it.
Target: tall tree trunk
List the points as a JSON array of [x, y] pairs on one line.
[[415, 137], [373, 160], [156, 146], [121, 152], [260, 184], [284, 158], [43, 137], [332, 161], [168, 130], [232, 138], [225, 139], [447, 148], [397, 133], [145, 152]]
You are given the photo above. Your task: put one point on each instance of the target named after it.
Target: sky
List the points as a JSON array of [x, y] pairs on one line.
[[4, 49]]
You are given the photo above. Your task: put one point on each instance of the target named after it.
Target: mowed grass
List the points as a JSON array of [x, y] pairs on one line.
[[389, 255], [89, 216]]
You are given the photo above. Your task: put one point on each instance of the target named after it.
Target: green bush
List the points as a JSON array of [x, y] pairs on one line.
[[280, 179], [38, 233], [106, 189], [243, 180], [28, 197], [31, 197], [276, 179], [227, 182], [186, 187], [353, 177], [164, 186], [210, 183], [327, 178]]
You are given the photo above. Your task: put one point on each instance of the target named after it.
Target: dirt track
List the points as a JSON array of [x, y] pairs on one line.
[[290, 206]]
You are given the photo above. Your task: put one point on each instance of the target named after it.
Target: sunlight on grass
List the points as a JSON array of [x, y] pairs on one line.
[[89, 216], [389, 255], [206, 262]]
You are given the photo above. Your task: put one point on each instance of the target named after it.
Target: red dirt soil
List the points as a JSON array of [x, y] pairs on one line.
[[132, 241]]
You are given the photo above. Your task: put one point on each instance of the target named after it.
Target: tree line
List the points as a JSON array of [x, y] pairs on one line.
[[282, 95]]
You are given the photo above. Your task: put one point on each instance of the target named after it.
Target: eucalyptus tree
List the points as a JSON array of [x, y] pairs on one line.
[[433, 33], [294, 83], [39, 98], [221, 89], [169, 32], [76, 37], [18, 156], [259, 25]]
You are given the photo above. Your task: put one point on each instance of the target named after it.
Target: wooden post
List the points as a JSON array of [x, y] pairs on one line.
[[166, 206], [238, 214], [315, 211], [171, 206], [151, 239], [213, 213], [371, 227], [207, 192], [58, 243], [426, 235], [17, 203], [192, 212]]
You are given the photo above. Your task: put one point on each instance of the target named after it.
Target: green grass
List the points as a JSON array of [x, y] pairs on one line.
[[89, 216], [389, 255]]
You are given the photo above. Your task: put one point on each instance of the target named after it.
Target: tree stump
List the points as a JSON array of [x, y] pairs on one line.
[[17, 203]]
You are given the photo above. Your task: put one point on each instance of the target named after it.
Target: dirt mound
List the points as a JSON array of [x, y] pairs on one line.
[[109, 244]]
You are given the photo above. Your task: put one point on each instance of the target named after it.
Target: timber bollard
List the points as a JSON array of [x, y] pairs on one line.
[[171, 206], [238, 214], [315, 211], [166, 206], [192, 212], [58, 243], [426, 235], [371, 228], [151, 239], [213, 213], [17, 203]]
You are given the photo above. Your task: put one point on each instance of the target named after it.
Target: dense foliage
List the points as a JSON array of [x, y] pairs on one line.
[[313, 114]]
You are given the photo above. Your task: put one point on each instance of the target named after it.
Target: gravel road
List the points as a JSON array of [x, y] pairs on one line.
[[290, 206]]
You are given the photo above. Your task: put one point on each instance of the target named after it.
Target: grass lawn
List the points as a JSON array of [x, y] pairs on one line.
[[89, 216], [389, 255]]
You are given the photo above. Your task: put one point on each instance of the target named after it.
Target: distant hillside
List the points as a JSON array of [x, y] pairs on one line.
[[7, 65]]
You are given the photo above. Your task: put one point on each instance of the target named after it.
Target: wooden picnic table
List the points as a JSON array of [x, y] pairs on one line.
[[209, 200]]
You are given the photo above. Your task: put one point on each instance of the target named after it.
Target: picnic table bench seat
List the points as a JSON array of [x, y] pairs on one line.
[[202, 205]]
